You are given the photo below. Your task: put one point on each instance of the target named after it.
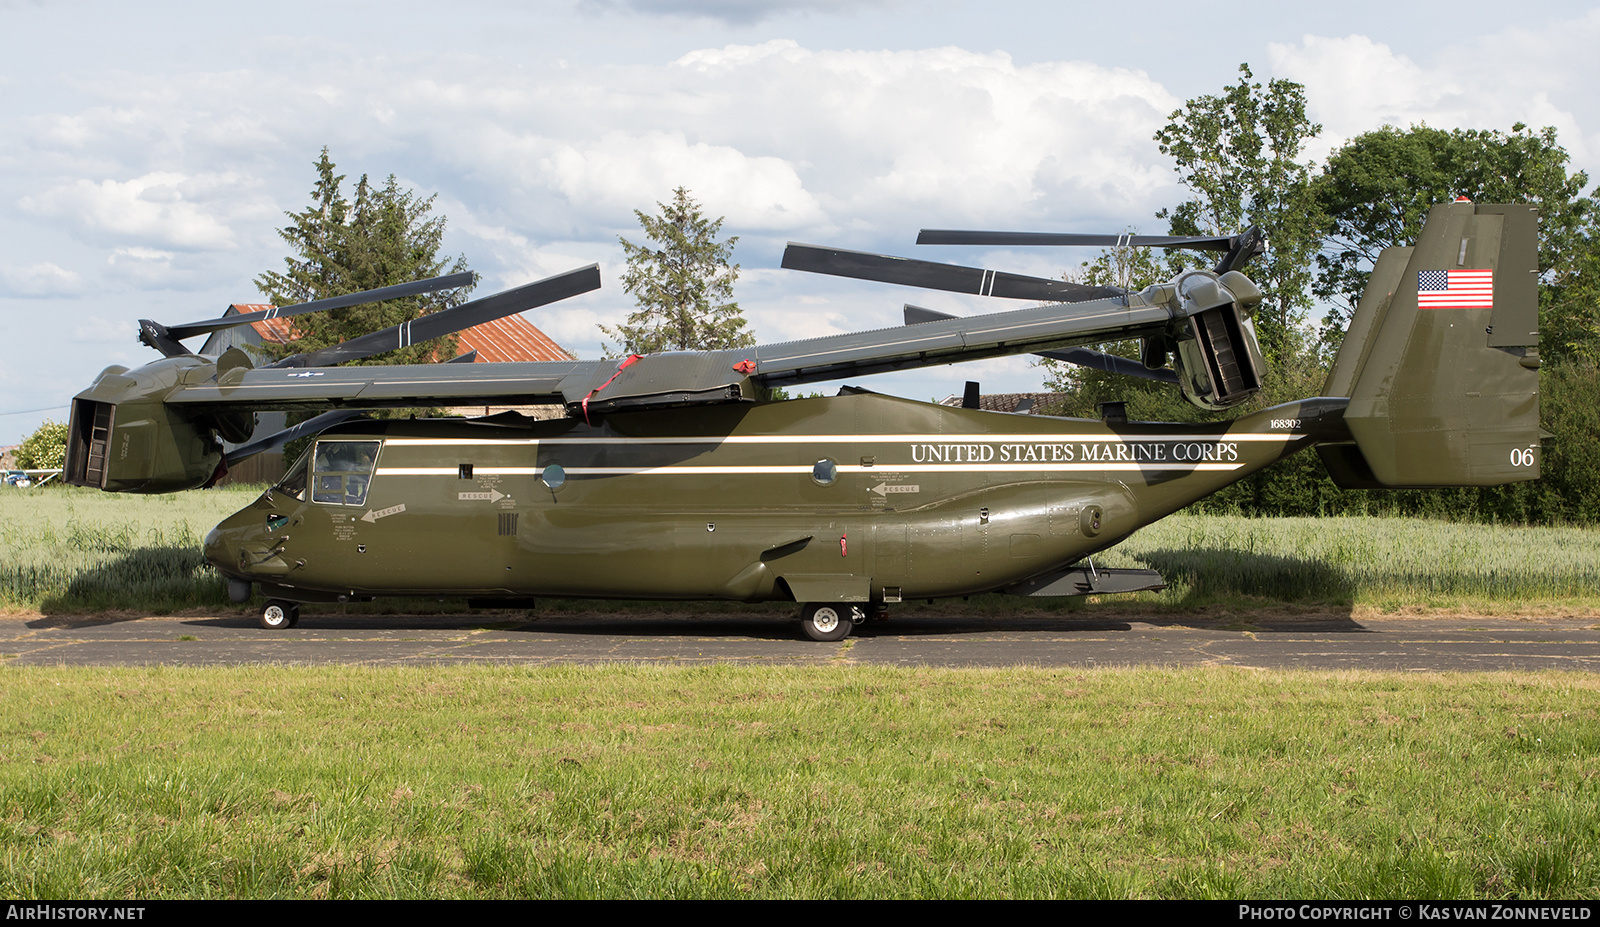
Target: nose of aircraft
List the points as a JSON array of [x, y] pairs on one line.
[[225, 548], [239, 532], [221, 554]]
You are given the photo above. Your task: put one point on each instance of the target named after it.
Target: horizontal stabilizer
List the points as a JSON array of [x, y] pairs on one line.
[[1089, 580]]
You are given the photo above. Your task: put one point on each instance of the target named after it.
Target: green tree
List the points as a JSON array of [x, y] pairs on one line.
[[1569, 303], [683, 285], [387, 235], [45, 449], [1377, 188], [1239, 155]]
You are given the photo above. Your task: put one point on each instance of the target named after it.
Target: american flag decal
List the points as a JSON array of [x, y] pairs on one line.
[[1455, 289]]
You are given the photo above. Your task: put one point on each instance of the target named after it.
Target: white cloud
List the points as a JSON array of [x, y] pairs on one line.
[[98, 330], [163, 207], [1355, 84], [731, 11], [903, 136], [621, 172], [35, 281], [147, 268]]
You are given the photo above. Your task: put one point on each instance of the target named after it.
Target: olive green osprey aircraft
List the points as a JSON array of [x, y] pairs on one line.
[[669, 479]]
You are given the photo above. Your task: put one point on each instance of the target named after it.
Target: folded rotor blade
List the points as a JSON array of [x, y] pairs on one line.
[[448, 321], [959, 237], [934, 276], [1111, 363], [398, 291]]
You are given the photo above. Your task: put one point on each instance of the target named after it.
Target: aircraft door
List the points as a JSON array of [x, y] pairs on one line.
[[890, 563]]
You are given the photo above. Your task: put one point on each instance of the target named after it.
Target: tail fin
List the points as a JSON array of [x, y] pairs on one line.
[[1441, 361]]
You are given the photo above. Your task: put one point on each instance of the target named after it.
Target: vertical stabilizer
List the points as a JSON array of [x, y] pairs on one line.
[[1441, 361], [1370, 311]]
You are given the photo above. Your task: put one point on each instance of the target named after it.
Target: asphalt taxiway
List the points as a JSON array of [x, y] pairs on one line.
[[1317, 641]]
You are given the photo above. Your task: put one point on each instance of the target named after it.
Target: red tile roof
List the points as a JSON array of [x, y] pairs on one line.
[[1008, 402], [277, 331], [512, 338]]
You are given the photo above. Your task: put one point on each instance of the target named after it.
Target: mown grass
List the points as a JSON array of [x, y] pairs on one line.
[[80, 551], [839, 782]]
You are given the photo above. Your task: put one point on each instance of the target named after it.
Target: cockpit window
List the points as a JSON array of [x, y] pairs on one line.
[[342, 471], [294, 482]]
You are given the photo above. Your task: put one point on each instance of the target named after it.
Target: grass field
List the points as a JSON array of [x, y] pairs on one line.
[[78, 551], [84, 550], [841, 782]]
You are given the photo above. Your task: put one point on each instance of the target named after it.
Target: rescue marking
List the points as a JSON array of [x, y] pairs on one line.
[[376, 514]]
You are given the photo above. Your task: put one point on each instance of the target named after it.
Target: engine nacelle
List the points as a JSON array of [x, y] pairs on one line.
[[1218, 359], [125, 438]]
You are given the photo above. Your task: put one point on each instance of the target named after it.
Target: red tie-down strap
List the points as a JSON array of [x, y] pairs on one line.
[[745, 367], [628, 362]]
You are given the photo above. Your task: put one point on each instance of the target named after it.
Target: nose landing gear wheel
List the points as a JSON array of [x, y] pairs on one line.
[[825, 622], [278, 615]]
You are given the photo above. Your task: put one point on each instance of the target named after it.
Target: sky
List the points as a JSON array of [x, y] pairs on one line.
[[149, 152]]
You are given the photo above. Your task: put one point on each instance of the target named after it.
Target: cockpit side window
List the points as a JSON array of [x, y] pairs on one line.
[[294, 482], [341, 471]]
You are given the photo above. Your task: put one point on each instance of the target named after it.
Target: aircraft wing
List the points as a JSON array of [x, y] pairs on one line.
[[379, 386], [678, 378]]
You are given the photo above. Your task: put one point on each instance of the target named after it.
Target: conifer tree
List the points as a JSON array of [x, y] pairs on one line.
[[682, 282], [386, 236]]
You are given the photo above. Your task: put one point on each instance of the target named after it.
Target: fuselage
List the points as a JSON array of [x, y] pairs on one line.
[[849, 498]]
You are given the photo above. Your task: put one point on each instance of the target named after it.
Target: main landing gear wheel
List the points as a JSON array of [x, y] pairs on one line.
[[823, 621], [278, 615]]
